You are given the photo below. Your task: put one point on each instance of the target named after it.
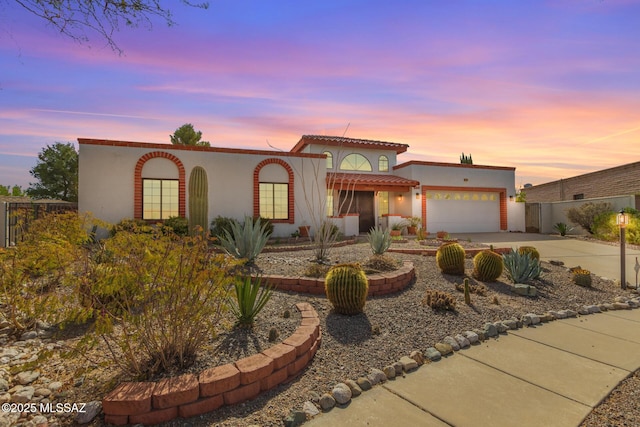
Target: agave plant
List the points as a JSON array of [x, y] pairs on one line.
[[250, 299], [379, 239], [245, 241], [521, 267]]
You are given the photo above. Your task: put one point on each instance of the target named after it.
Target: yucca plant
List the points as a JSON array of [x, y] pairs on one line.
[[521, 267], [562, 228], [250, 299], [245, 241], [379, 239]]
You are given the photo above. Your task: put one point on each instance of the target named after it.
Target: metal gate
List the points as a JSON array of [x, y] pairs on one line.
[[19, 215], [532, 217]]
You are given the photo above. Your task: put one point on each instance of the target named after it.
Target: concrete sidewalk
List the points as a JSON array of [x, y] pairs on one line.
[[552, 374]]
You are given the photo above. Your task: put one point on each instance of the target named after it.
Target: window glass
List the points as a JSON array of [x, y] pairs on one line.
[[329, 204], [383, 203], [355, 162], [383, 164], [159, 198], [274, 200]]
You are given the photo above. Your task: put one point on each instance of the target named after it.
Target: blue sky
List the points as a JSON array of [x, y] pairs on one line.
[[549, 87]]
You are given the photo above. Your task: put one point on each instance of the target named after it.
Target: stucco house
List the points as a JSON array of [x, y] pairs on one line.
[[356, 183]]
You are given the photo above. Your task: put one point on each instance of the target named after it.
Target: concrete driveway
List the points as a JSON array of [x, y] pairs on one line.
[[602, 259]]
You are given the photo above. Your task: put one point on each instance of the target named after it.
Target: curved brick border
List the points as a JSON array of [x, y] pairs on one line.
[[190, 395], [379, 284], [432, 252]]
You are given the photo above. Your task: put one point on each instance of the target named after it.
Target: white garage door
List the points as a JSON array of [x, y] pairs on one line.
[[463, 211]]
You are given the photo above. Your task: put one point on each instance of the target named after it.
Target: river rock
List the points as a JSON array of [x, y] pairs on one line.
[[91, 410], [342, 393]]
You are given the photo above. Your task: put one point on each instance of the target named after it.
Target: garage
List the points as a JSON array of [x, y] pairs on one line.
[[462, 211]]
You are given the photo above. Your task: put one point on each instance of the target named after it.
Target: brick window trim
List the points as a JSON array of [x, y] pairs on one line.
[[256, 190], [137, 182], [501, 191]]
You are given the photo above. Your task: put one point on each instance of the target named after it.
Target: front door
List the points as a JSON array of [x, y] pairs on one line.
[[360, 202]]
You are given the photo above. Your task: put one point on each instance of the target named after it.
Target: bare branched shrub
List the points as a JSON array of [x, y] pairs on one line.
[[586, 214], [157, 299]]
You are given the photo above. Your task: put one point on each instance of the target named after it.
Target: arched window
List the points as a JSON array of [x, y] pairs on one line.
[[355, 162], [329, 159], [383, 164], [159, 187]]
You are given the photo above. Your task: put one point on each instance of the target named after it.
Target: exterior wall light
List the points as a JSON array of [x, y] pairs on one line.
[[400, 197], [417, 196], [622, 220]]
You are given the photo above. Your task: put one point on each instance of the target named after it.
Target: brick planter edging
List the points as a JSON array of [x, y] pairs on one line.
[[190, 394], [379, 284], [432, 252]]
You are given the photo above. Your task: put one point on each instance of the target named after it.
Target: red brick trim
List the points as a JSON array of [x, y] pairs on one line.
[[150, 145], [137, 182], [256, 190], [501, 191], [452, 165], [379, 284], [186, 396]]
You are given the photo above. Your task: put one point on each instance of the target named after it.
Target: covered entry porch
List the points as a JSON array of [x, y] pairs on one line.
[[367, 196]]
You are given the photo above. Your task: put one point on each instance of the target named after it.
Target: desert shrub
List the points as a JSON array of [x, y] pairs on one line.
[[439, 300], [586, 214], [177, 224], [245, 241], [38, 274], [379, 240], [169, 293], [250, 299], [219, 225], [316, 270], [521, 267], [131, 225], [379, 263], [266, 222], [606, 228]]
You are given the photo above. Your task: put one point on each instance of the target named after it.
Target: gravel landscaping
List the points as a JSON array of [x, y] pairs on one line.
[[391, 327]]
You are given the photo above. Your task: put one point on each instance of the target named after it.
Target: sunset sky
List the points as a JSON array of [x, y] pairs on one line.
[[549, 87]]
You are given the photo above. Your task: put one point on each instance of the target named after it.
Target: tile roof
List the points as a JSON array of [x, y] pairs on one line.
[[370, 180], [348, 142]]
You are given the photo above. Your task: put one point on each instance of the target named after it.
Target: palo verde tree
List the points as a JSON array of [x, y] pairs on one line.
[[56, 172], [186, 135], [79, 18]]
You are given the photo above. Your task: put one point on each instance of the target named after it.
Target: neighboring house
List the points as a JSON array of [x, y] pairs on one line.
[[618, 181], [547, 204], [356, 183]]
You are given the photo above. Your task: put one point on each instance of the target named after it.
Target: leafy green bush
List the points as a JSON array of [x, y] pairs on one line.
[[250, 299], [606, 228], [521, 267], [379, 240], [245, 241], [166, 295], [177, 224], [586, 214]]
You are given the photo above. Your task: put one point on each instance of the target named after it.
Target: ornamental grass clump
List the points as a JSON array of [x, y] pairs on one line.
[[250, 299], [346, 286], [379, 240], [521, 267], [246, 241]]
